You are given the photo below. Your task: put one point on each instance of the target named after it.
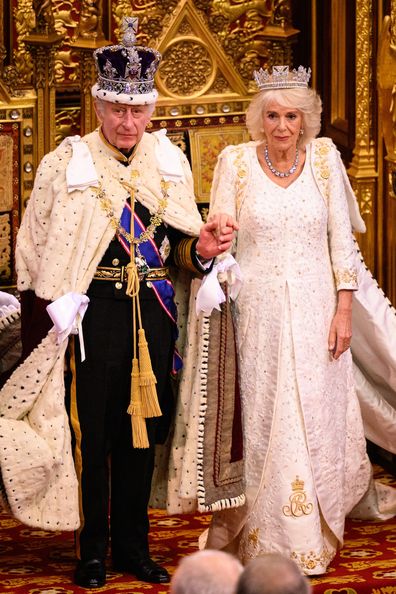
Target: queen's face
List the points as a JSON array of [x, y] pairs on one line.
[[282, 126], [123, 125]]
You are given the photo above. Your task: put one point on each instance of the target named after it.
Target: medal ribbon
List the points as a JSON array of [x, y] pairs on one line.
[[163, 288]]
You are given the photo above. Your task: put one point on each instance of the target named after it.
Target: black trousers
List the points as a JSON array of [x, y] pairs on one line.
[[115, 478]]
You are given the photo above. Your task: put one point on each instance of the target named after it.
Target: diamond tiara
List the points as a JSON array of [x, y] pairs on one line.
[[282, 78]]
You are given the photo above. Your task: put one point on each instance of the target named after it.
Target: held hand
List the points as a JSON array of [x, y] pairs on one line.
[[223, 221], [340, 332], [216, 236]]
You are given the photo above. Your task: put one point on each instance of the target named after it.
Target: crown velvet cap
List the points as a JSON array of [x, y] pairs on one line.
[[282, 78], [126, 71]]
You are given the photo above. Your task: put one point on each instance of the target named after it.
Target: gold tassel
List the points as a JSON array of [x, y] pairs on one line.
[[150, 404], [139, 429], [132, 288]]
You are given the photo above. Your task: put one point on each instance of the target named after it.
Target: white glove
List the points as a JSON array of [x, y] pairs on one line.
[[67, 313], [8, 299], [210, 294]]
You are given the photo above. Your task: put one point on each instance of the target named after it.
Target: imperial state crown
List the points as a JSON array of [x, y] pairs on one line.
[[126, 71]]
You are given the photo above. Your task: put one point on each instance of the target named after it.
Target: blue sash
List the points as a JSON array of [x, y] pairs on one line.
[[162, 288]]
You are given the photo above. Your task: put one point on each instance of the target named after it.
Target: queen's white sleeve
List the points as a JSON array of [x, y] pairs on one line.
[[224, 187], [341, 244]]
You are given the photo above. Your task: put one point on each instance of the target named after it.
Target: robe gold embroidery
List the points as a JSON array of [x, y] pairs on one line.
[[298, 506]]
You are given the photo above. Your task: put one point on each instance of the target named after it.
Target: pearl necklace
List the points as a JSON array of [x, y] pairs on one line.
[[275, 171]]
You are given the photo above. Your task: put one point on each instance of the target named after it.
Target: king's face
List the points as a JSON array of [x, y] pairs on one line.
[[124, 125]]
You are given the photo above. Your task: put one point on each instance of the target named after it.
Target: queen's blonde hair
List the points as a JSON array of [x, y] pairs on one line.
[[307, 101]]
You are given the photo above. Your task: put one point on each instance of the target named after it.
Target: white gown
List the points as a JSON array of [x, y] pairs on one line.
[[304, 445]]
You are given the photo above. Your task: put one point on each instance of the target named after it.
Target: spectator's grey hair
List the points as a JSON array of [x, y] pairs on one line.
[[272, 574], [206, 572]]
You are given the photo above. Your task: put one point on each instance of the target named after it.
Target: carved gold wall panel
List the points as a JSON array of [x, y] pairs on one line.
[[16, 176], [387, 84], [250, 34], [363, 170], [206, 145], [210, 49], [386, 77], [6, 172], [67, 122], [32, 14]]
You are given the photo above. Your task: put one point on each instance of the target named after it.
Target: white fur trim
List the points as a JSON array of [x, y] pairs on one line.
[[124, 98]]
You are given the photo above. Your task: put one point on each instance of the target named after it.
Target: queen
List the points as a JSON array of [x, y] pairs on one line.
[[306, 466]]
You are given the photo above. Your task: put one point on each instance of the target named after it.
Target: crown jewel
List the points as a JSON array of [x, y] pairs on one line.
[[282, 78], [129, 27], [126, 71]]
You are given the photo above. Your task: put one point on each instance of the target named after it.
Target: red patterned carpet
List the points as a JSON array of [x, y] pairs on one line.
[[37, 562]]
